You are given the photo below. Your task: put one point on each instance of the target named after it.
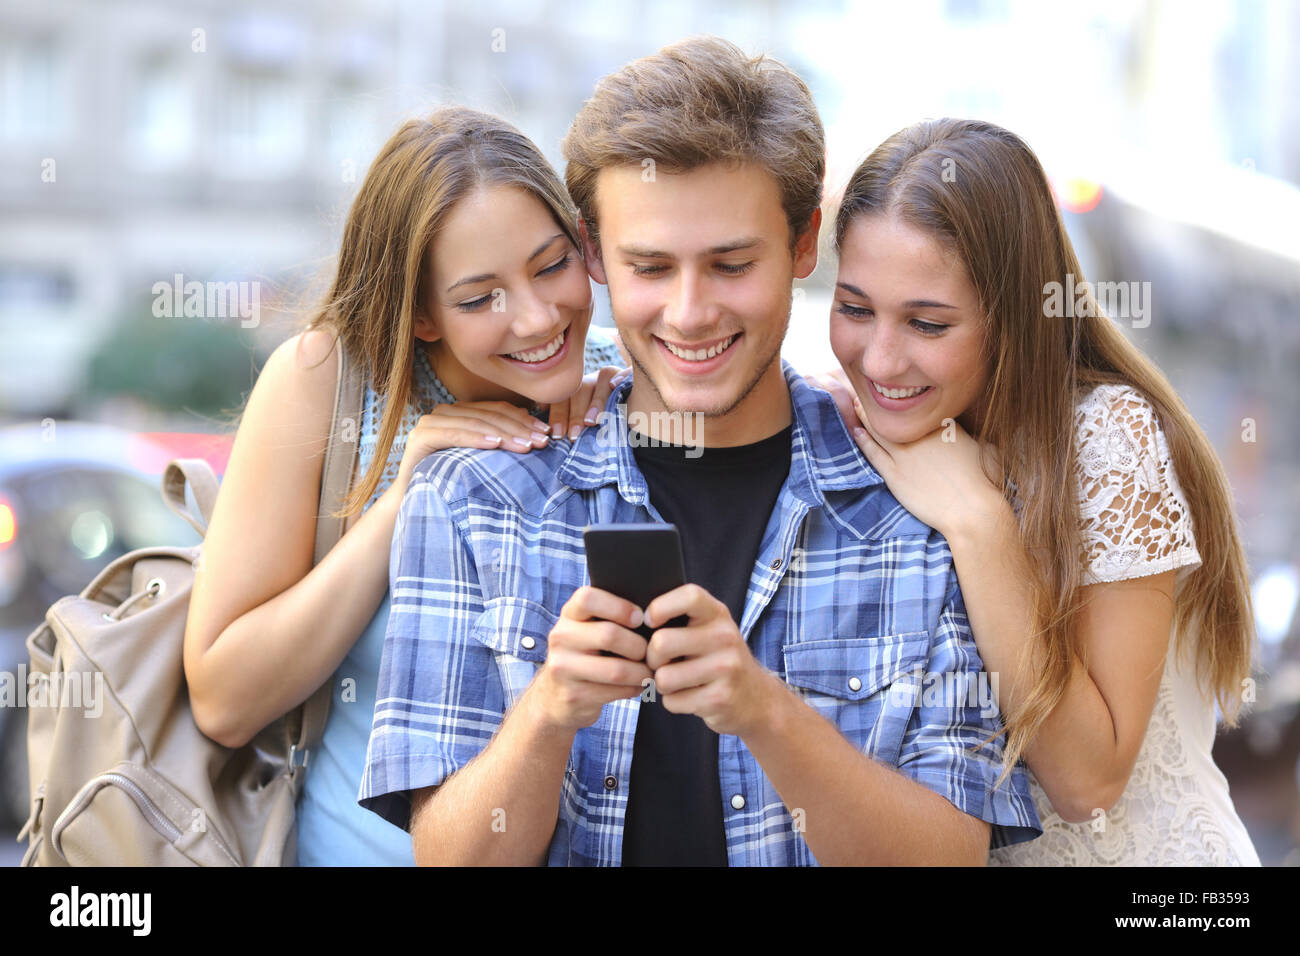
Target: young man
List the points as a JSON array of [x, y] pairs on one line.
[[521, 720]]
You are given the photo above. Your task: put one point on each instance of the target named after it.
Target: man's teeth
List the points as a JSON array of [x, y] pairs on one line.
[[899, 392], [542, 354], [699, 355]]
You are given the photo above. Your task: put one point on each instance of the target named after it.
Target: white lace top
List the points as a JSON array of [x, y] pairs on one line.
[[1176, 810]]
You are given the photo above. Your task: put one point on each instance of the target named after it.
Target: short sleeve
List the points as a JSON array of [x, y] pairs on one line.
[[434, 707], [947, 746], [1134, 517]]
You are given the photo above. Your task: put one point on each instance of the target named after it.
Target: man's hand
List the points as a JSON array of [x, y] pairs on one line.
[[706, 668], [577, 680]]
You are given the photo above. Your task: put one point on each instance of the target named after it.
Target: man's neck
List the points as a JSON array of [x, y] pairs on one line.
[[762, 413]]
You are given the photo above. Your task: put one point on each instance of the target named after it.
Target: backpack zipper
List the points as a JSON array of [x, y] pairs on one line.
[[141, 799]]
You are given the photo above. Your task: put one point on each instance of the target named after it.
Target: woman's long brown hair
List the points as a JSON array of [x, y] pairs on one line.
[[423, 170], [980, 191]]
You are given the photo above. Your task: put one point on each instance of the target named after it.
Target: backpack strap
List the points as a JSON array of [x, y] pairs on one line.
[[203, 484], [306, 725]]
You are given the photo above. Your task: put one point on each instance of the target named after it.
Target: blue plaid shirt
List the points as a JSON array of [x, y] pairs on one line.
[[852, 600]]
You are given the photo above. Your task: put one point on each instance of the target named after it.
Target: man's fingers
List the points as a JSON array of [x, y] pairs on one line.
[[589, 602], [611, 672], [594, 636], [689, 599]]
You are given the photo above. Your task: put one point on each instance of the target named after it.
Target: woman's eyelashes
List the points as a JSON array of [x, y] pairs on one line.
[[559, 264], [473, 305], [858, 312]]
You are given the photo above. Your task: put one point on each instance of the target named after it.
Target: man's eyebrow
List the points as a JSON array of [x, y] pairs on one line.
[[485, 276], [909, 304], [735, 245], [747, 242]]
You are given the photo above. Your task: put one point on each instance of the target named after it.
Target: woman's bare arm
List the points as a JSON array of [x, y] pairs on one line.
[[1084, 752], [265, 629]]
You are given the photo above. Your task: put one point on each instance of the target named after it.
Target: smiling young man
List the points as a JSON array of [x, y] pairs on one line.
[[520, 719]]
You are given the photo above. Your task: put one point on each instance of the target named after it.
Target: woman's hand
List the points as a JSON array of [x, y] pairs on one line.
[[585, 405], [471, 425], [938, 478], [837, 383]]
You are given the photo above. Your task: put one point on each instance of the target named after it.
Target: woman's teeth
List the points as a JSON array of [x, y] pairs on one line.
[[899, 392], [699, 355], [542, 354]]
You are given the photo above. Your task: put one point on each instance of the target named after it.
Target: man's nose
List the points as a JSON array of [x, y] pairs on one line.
[[690, 310]]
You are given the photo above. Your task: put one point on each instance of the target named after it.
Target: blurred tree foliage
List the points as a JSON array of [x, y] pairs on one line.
[[176, 364]]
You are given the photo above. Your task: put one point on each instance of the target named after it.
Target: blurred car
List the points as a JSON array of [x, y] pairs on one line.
[[73, 498]]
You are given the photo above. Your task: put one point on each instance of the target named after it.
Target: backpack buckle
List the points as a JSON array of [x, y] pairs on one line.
[[294, 754]]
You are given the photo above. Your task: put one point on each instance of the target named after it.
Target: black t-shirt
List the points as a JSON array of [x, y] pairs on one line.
[[720, 501]]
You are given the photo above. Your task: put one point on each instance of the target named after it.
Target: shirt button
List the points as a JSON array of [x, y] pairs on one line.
[[738, 802], [611, 782], [776, 564], [528, 643], [855, 684]]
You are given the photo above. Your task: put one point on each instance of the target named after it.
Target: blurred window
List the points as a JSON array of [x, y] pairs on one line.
[[25, 289], [161, 113], [263, 122], [33, 89]]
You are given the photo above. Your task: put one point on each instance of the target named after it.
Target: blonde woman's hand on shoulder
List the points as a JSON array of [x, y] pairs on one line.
[[470, 425], [583, 407]]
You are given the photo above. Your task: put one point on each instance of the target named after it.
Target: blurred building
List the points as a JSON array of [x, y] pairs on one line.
[[223, 141]]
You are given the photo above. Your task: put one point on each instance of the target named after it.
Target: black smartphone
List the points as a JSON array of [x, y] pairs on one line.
[[638, 562]]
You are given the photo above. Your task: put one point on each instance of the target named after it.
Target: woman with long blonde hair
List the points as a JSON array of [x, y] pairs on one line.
[[1091, 524], [461, 296]]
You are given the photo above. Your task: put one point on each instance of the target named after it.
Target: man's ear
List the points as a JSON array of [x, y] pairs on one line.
[[805, 247], [591, 253]]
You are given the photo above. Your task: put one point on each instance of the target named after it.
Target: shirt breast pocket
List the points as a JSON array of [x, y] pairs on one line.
[[516, 631], [865, 686]]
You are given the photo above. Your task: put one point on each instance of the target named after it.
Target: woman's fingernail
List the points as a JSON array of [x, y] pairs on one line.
[[574, 432], [860, 434], [494, 439], [593, 415], [557, 431], [522, 442], [541, 437]]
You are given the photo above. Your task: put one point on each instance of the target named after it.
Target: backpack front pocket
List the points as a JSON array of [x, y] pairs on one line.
[[130, 816]]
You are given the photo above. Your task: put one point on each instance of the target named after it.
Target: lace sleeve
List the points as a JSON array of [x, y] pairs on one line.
[[1135, 520]]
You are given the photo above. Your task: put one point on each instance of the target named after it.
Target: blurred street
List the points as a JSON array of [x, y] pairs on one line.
[[145, 145]]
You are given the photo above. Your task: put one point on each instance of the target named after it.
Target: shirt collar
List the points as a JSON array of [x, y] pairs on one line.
[[824, 456]]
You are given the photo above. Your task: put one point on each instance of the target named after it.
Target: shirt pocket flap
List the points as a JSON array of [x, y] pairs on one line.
[[516, 627], [854, 668]]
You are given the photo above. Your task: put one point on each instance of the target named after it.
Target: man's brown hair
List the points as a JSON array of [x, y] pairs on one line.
[[701, 101]]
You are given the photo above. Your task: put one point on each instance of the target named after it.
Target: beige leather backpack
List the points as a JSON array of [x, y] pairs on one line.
[[120, 773]]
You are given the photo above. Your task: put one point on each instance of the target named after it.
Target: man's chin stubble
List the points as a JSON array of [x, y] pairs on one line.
[[708, 413]]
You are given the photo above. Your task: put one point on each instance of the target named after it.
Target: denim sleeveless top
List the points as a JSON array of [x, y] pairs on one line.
[[333, 830]]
